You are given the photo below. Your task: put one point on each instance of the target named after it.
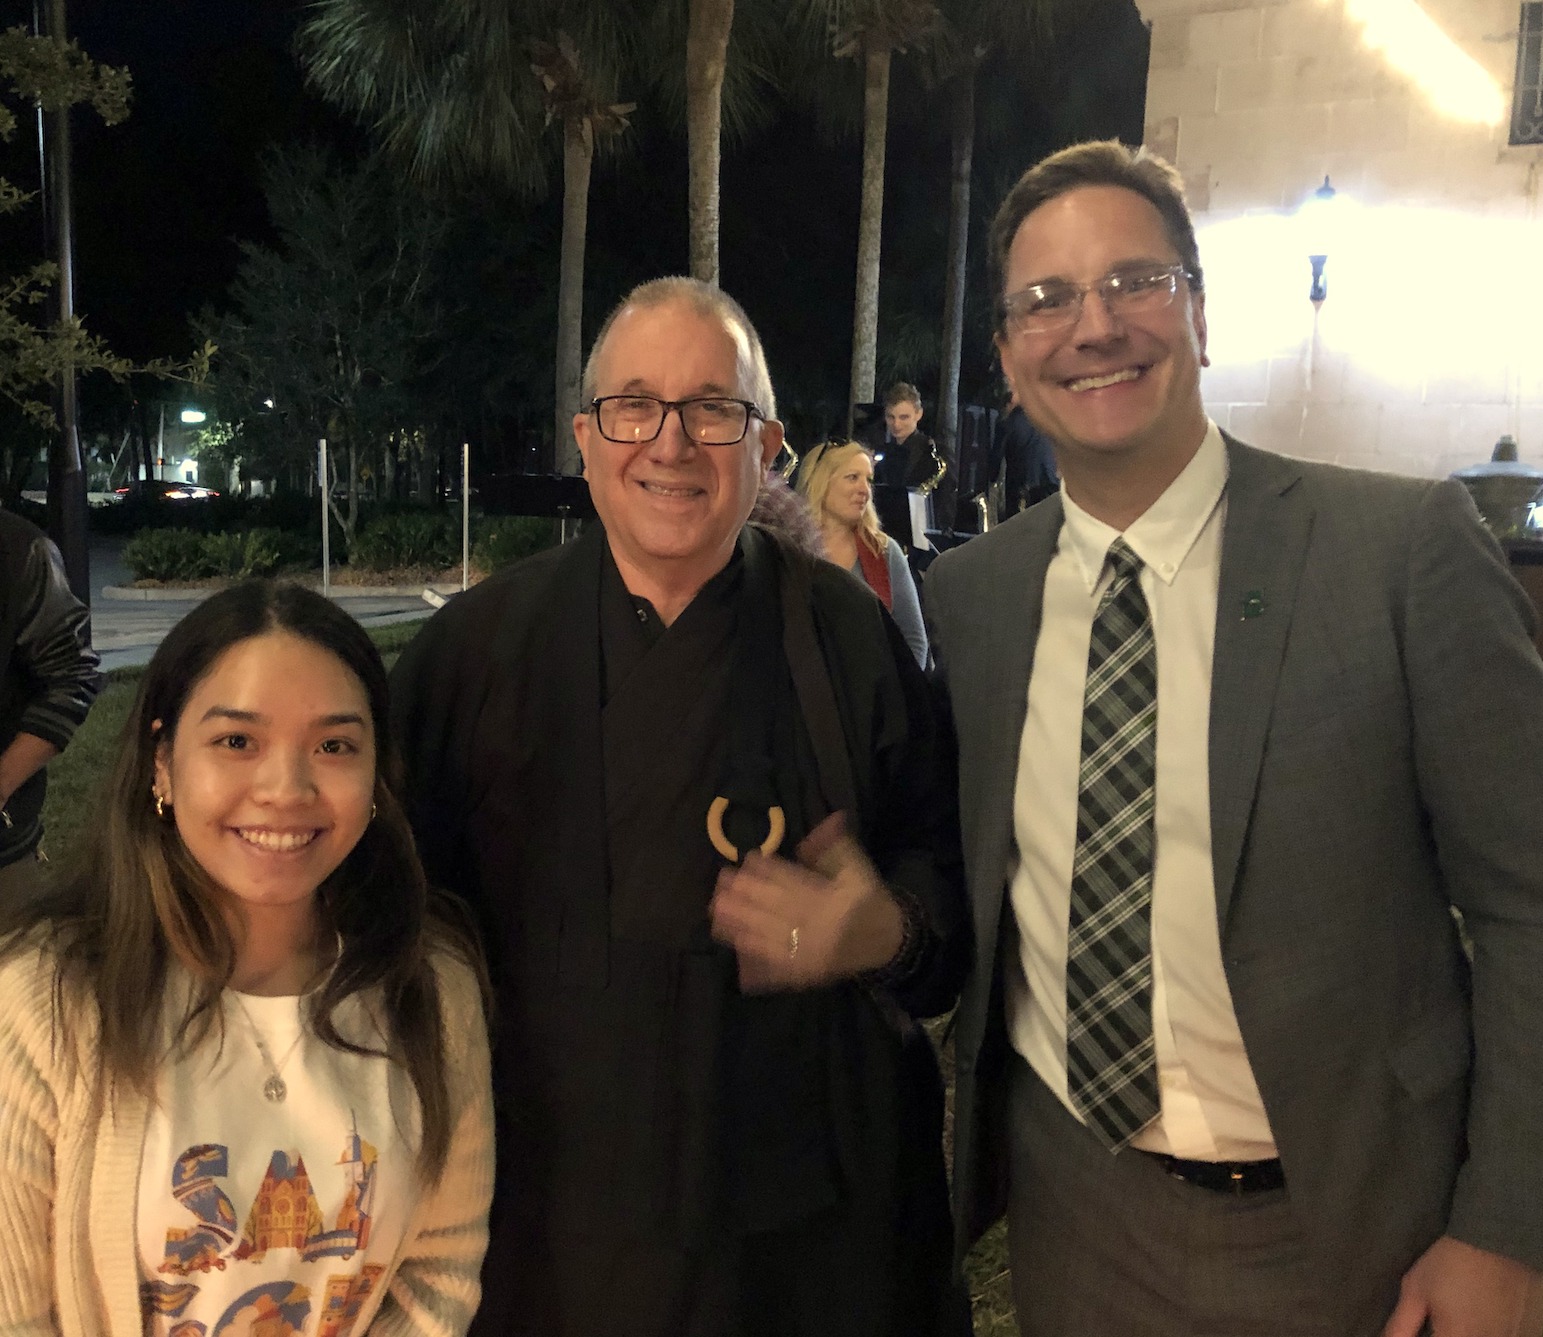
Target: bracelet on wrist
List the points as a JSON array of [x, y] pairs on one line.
[[913, 943]]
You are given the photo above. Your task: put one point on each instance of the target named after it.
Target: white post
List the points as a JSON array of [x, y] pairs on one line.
[[326, 527], [465, 514]]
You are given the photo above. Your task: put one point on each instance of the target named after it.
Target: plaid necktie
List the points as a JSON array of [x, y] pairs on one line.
[[1111, 1066]]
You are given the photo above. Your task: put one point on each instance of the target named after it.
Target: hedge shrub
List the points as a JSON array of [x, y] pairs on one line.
[[504, 539], [256, 552], [181, 554], [406, 539], [167, 554]]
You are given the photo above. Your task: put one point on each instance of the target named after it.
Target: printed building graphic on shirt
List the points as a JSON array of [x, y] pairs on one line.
[[344, 1299], [284, 1214], [351, 1231], [199, 1248], [275, 1309]]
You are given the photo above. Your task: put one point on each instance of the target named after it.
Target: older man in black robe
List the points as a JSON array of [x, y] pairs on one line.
[[717, 1116]]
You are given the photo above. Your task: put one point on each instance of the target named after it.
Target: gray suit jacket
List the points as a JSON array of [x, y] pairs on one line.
[[1376, 756]]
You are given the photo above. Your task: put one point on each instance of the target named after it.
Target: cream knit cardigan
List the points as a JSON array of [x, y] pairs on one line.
[[69, 1169]]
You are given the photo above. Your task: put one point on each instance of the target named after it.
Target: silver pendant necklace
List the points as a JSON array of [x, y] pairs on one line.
[[274, 1089]]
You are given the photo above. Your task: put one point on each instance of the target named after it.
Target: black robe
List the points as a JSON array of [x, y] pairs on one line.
[[673, 1156]]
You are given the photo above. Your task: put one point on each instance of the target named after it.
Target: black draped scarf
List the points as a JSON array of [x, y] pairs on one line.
[[641, 1088]]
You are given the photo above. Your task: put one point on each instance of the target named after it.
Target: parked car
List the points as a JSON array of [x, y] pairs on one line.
[[165, 489]]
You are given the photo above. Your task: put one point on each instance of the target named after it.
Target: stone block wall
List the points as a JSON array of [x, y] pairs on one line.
[[1430, 344]]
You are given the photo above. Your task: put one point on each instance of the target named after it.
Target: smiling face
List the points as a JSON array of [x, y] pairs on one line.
[[1109, 387], [673, 509], [848, 494], [902, 419], [270, 772]]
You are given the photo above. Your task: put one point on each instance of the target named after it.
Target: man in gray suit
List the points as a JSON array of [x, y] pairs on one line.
[[1236, 734]]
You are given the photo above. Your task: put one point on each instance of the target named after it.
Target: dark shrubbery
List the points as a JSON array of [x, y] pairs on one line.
[[182, 554], [166, 554], [407, 539], [391, 541], [503, 539], [291, 511]]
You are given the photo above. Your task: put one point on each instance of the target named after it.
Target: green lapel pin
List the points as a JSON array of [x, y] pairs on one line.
[[1253, 604]]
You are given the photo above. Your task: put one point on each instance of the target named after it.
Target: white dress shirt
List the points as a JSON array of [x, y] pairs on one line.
[[1211, 1108]]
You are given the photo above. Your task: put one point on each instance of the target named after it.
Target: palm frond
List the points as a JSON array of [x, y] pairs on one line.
[[448, 86]]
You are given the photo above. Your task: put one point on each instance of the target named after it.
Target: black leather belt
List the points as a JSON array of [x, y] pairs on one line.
[[1224, 1176]]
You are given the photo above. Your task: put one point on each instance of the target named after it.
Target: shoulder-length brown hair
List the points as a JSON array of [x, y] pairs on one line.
[[820, 470], [136, 901]]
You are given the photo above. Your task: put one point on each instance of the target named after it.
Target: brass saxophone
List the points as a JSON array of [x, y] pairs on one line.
[[926, 489]]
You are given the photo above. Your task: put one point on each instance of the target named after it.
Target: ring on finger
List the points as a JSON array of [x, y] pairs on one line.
[[792, 943]]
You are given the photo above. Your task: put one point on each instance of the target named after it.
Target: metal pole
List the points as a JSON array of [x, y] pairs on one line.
[[66, 476], [326, 527], [465, 514]]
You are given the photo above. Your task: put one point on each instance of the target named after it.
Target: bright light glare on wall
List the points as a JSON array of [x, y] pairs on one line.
[[1413, 43], [1418, 293]]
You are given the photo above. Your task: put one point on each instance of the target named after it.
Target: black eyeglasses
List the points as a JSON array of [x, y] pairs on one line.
[[1055, 303], [709, 421]]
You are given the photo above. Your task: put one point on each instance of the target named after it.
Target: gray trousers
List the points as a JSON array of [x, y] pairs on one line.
[[1108, 1245]]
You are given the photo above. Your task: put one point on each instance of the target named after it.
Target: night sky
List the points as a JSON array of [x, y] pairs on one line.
[[162, 199]]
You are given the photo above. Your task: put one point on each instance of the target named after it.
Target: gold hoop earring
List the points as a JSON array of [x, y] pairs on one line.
[[160, 807]]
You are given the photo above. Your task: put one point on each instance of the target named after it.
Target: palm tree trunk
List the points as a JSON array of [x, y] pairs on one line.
[[707, 49], [961, 150], [870, 227], [578, 158]]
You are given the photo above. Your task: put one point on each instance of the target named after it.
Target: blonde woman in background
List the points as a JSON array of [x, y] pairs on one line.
[[837, 481]]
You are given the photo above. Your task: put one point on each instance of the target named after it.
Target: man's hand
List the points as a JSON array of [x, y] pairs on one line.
[[1461, 1291], [797, 925], [24, 756]]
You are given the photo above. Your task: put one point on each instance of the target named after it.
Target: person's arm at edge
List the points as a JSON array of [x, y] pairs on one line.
[[53, 648], [1476, 694], [907, 608]]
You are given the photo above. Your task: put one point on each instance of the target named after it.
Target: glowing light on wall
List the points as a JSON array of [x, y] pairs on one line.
[[1418, 294], [1415, 45]]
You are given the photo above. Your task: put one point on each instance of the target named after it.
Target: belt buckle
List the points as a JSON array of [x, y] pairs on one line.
[[1235, 1175]]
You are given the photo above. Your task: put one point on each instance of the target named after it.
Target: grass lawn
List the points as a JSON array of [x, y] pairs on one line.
[[73, 781]]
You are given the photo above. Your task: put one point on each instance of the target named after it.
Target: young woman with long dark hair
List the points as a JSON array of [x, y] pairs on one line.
[[243, 1062]]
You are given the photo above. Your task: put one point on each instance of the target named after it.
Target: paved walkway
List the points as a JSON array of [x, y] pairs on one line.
[[126, 632]]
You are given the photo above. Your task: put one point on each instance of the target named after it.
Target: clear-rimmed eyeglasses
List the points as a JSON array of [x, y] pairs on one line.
[[1055, 303], [709, 420]]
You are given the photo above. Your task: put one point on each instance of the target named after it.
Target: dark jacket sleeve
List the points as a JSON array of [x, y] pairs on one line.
[[432, 701], [903, 755], [53, 650]]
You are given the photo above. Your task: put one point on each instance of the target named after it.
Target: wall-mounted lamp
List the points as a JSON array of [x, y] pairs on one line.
[[1318, 216]]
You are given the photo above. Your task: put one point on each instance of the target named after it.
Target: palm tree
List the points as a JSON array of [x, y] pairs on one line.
[[719, 89], [707, 53], [975, 29], [876, 31], [869, 32], [463, 91]]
